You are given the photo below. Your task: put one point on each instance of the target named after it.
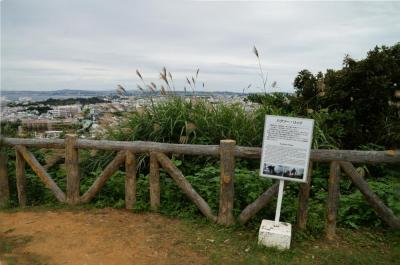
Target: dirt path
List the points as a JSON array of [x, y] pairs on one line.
[[95, 237]]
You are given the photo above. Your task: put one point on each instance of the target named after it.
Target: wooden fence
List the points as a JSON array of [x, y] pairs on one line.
[[340, 160]]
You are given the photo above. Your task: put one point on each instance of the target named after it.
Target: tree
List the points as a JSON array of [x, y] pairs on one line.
[[363, 89], [308, 88]]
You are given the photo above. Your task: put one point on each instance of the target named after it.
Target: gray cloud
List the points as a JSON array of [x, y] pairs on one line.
[[97, 44]]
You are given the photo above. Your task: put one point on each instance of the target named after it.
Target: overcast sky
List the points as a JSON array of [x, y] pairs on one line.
[[95, 45]]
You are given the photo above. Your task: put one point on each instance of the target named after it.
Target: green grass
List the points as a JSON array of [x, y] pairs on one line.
[[7, 254], [238, 245]]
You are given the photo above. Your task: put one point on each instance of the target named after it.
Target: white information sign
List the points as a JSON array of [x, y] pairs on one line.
[[286, 148]]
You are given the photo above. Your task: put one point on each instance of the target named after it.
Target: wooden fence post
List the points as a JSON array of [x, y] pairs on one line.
[[227, 157], [304, 195], [4, 186], [333, 200], [154, 182], [130, 180], [72, 168], [20, 178]]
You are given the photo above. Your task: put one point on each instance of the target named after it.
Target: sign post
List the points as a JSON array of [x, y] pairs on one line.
[[285, 156], [279, 202]]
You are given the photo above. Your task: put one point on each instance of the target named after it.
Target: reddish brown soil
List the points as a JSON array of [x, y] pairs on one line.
[[95, 237]]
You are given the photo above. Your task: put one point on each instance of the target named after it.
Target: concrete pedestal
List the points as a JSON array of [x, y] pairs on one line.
[[275, 236]]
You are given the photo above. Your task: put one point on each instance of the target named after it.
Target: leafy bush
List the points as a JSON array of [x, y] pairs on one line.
[[364, 90]]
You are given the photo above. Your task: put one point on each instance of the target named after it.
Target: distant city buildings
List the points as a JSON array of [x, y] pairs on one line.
[[90, 120]]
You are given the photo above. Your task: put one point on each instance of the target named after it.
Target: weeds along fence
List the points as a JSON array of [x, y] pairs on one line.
[[340, 160]]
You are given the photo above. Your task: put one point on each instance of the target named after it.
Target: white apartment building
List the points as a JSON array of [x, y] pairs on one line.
[[67, 111]]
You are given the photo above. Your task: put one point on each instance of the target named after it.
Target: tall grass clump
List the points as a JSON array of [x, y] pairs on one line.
[[195, 121]]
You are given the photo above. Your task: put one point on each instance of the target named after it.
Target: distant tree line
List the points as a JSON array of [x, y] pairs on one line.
[[61, 102]]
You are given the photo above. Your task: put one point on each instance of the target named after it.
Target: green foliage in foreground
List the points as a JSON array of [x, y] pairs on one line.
[[237, 246]]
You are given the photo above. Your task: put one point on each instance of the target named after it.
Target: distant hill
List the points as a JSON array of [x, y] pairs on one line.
[[56, 94], [67, 93]]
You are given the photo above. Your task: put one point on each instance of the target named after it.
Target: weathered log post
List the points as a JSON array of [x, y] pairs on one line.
[[4, 186], [304, 195], [130, 180], [20, 178], [227, 157], [333, 200], [72, 168], [154, 182]]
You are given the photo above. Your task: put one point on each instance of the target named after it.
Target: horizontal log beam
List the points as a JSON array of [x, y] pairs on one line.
[[325, 155], [34, 142], [356, 156], [146, 147], [320, 155], [41, 173]]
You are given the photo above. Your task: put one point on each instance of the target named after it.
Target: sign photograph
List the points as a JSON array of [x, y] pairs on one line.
[[286, 148]]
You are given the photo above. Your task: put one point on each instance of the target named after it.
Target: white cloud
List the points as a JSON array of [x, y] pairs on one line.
[[98, 44]]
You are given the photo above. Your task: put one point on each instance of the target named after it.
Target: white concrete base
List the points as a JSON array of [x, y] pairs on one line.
[[275, 236]]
